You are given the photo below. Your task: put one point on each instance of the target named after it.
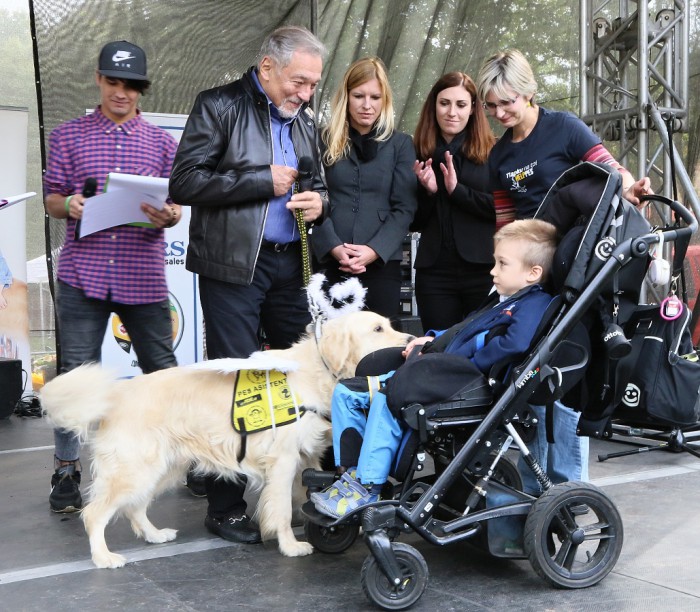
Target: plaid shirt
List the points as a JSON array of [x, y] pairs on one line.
[[124, 264]]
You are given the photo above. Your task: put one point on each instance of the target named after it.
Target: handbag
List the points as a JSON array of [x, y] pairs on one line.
[[658, 382]]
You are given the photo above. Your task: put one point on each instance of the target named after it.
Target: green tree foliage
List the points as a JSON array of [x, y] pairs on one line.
[[195, 45]]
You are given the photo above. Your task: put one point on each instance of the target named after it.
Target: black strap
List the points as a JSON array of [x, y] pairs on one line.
[[244, 439], [549, 422], [555, 392]]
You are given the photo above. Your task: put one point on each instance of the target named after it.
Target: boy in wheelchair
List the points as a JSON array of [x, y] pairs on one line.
[[365, 446]]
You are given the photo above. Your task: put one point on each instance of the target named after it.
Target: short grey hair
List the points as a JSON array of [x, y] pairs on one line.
[[281, 44], [503, 71]]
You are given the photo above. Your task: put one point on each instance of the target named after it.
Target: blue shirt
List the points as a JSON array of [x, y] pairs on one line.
[[527, 169], [280, 225]]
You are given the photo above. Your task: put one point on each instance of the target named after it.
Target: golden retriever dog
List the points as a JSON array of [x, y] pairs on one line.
[[145, 431]]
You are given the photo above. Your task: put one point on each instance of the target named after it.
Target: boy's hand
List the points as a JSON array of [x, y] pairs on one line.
[[415, 343]]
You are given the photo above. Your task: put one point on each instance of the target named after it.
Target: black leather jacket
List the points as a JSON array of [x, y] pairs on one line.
[[222, 170]]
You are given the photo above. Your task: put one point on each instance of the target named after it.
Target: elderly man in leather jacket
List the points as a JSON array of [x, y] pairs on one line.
[[236, 166]]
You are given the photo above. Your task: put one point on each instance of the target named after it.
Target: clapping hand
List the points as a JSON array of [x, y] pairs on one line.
[[425, 174]]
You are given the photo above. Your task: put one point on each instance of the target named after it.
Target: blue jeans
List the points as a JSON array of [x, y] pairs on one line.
[[380, 430], [566, 459], [82, 323]]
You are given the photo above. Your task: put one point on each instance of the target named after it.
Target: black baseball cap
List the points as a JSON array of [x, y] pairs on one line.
[[123, 60]]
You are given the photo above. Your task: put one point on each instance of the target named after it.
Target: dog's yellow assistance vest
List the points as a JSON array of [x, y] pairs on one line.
[[263, 399]]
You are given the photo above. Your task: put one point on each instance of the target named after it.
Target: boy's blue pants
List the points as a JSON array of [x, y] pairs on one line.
[[380, 431]]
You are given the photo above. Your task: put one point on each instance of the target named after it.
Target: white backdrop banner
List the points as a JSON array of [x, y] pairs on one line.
[[185, 310], [14, 313]]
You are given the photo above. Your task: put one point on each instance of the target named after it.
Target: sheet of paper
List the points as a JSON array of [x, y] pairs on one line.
[[12, 200], [153, 186], [120, 204]]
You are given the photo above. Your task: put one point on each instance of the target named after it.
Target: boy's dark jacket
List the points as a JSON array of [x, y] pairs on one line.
[[515, 319]]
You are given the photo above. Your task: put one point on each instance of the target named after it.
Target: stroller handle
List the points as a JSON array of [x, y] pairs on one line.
[[683, 212]]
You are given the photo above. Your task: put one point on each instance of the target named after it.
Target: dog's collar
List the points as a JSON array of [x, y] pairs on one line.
[[318, 318], [317, 335]]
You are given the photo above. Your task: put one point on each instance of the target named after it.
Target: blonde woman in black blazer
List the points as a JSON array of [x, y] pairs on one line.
[[455, 215], [371, 188]]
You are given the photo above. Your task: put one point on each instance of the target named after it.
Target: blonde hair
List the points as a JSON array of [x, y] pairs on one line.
[[337, 135], [539, 240], [505, 72]]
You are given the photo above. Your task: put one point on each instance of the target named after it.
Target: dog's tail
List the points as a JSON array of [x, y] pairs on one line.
[[75, 400]]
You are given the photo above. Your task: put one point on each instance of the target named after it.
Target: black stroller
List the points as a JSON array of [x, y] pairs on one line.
[[572, 534]]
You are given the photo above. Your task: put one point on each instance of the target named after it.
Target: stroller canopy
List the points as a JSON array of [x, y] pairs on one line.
[[586, 205]]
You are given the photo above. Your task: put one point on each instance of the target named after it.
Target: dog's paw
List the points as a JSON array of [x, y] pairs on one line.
[[109, 560], [296, 549], [161, 535]]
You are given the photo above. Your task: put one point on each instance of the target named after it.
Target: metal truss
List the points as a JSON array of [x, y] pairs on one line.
[[634, 84]]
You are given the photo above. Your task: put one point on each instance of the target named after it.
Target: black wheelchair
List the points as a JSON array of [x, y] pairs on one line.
[[455, 480]]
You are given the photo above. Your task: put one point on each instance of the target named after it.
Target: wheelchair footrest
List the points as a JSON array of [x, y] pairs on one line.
[[309, 512], [317, 479]]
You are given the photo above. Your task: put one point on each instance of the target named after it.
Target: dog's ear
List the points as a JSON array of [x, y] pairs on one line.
[[336, 347]]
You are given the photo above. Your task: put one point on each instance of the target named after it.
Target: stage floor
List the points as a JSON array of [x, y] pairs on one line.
[[45, 561]]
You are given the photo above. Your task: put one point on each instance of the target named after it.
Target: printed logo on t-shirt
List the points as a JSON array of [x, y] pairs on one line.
[[516, 176]]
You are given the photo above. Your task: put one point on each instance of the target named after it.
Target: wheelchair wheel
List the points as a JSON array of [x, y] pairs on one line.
[[507, 473], [573, 535], [331, 540], [387, 596]]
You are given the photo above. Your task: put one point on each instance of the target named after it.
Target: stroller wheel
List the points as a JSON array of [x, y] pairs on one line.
[[330, 540], [573, 535], [387, 596], [507, 473]]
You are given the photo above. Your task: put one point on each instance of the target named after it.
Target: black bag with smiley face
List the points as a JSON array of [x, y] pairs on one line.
[[658, 383]]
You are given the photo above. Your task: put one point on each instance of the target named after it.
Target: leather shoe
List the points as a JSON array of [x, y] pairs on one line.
[[234, 529]]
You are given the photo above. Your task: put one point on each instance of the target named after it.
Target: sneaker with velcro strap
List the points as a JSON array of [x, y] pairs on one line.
[[334, 489], [349, 495]]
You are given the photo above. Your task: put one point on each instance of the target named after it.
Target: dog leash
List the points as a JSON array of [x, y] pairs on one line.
[[304, 240], [318, 318]]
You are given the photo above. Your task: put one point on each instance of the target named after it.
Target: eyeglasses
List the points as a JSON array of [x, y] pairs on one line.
[[492, 107]]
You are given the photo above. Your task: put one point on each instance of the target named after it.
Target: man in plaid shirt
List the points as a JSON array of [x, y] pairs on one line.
[[120, 269]]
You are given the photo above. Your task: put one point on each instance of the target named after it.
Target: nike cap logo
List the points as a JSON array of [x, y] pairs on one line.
[[121, 56]]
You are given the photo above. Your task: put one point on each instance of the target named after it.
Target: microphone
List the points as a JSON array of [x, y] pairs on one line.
[[305, 182], [90, 187], [305, 168], [89, 190]]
